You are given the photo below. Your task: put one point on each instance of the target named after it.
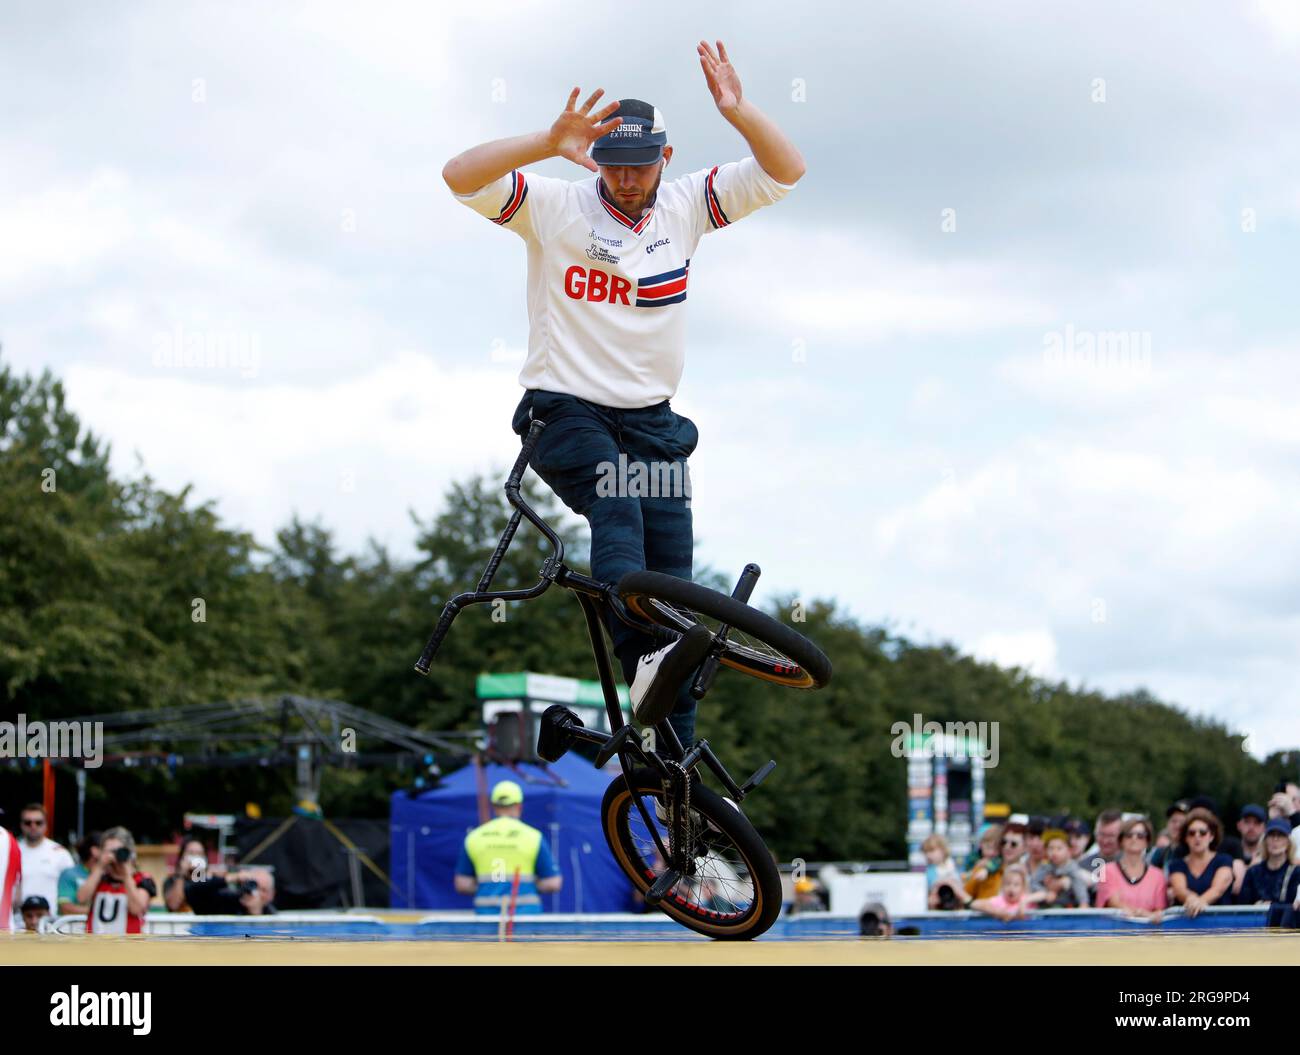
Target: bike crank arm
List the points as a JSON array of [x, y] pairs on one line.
[[709, 668], [662, 886]]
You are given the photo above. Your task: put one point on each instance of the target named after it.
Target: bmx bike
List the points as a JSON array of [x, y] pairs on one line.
[[687, 850]]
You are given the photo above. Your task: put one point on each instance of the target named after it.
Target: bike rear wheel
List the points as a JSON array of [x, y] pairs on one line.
[[757, 645], [735, 889]]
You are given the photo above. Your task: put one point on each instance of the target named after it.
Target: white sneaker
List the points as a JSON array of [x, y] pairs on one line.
[[660, 674]]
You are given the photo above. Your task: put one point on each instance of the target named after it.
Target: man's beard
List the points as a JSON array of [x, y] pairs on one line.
[[636, 209]]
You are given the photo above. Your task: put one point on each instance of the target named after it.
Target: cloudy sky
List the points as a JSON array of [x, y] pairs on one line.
[[1022, 343]]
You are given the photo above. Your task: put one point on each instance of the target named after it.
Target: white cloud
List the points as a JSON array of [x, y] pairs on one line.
[[854, 288], [1032, 650], [358, 453], [62, 233]]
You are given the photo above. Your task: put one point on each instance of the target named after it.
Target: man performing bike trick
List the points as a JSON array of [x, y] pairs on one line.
[[608, 266]]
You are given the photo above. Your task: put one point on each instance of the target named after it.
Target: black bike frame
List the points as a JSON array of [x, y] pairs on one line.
[[592, 594]]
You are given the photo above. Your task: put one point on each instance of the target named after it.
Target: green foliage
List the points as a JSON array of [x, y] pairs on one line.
[[116, 594]]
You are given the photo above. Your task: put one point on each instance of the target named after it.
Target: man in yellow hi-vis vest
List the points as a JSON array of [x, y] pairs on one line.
[[494, 851]]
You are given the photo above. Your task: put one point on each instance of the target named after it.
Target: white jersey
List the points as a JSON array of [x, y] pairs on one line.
[[42, 866], [606, 293]]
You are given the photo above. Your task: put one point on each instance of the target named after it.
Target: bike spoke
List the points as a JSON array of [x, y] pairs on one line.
[[737, 640], [720, 886]]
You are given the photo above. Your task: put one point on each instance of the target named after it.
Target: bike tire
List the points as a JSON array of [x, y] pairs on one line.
[[618, 816], [786, 656]]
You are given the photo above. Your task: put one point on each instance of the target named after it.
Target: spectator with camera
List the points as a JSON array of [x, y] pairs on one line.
[[244, 892], [71, 878], [192, 867], [117, 892], [1202, 876]]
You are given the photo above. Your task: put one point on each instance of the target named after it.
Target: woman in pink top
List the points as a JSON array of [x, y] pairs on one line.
[[1131, 883]]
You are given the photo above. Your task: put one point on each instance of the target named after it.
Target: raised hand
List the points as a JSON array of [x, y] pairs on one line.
[[720, 75], [574, 131]]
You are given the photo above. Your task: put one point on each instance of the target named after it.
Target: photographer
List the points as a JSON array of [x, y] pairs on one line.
[[248, 892], [118, 894], [191, 867]]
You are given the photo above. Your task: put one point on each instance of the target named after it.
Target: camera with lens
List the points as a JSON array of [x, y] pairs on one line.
[[123, 854], [947, 899]]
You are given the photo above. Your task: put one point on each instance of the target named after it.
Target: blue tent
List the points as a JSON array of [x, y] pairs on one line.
[[562, 800]]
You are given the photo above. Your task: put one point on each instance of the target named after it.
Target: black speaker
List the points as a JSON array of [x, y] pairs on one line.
[[510, 736]]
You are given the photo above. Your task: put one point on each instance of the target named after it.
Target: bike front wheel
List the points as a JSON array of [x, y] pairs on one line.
[[732, 889], [756, 645]]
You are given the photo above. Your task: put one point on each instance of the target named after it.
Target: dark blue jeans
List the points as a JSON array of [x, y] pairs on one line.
[[626, 472]]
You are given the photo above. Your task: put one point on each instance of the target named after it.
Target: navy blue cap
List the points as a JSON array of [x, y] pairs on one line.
[[34, 902], [1278, 824], [639, 140], [1258, 812]]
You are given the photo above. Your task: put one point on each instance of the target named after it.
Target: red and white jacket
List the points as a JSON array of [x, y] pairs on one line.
[[11, 873]]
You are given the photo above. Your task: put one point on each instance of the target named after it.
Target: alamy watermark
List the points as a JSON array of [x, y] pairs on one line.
[[635, 479], [924, 739], [236, 350], [24, 739], [1072, 349]]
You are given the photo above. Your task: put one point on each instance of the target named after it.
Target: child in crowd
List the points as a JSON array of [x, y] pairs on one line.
[[1059, 882], [984, 880], [1012, 901], [942, 879]]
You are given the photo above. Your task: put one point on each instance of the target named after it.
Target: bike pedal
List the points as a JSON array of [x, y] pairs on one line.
[[661, 886], [615, 744], [759, 776], [553, 736]]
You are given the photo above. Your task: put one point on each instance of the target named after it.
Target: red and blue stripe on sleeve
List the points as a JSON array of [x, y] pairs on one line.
[[717, 217], [518, 192]]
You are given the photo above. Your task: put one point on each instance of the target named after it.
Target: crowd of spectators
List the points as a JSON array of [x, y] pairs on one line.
[[1121, 862], [105, 883]]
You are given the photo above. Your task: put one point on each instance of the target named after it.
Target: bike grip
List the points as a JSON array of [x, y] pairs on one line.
[[703, 680], [521, 463], [435, 640]]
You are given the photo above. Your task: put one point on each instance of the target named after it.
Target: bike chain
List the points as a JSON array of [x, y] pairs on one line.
[[681, 830]]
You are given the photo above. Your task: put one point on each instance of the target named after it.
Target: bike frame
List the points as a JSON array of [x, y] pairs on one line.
[[593, 595]]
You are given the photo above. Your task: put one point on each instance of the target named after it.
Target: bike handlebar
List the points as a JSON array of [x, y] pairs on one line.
[[521, 463], [449, 611], [453, 607]]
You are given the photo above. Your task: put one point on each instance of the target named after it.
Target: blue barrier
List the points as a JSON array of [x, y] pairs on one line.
[[465, 926]]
